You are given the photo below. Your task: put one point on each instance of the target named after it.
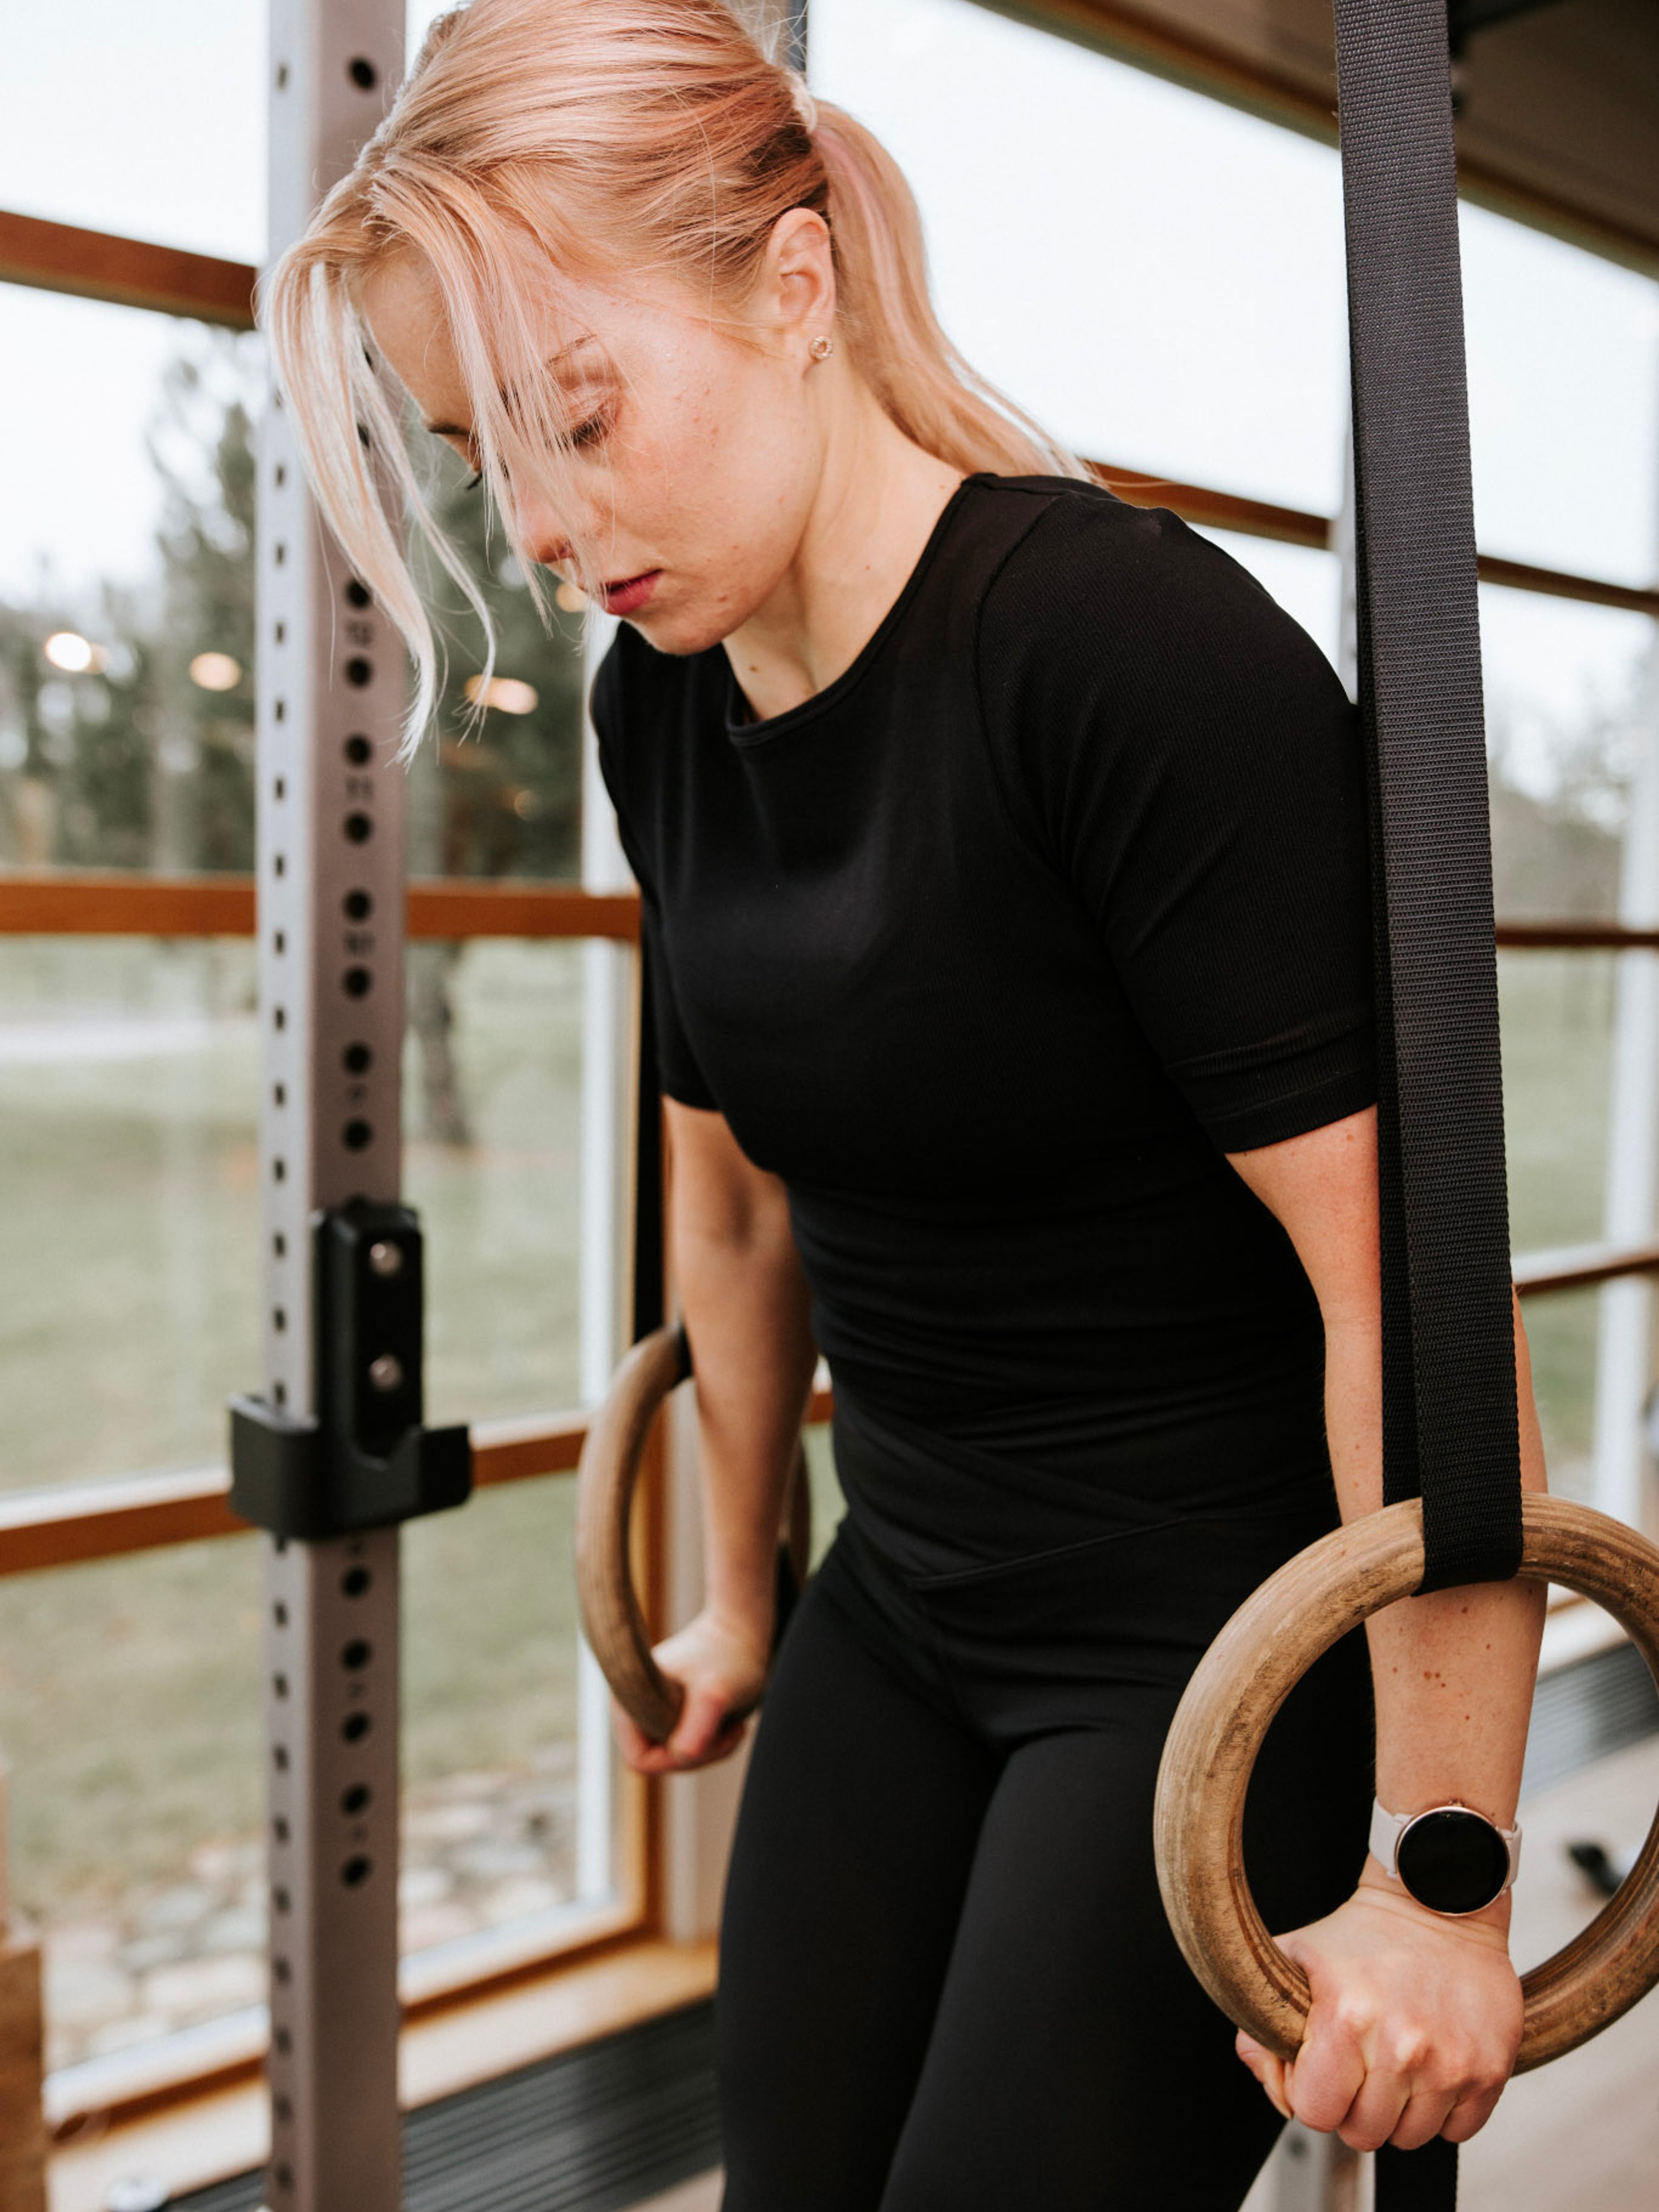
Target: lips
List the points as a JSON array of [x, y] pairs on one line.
[[631, 593]]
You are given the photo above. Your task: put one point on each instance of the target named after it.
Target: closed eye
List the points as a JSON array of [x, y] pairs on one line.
[[591, 431], [585, 434]]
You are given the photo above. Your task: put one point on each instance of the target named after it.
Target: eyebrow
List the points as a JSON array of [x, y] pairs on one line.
[[583, 344]]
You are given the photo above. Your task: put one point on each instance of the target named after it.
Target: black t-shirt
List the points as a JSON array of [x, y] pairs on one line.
[[990, 950]]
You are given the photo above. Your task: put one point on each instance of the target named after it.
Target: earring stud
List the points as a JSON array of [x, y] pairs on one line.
[[820, 349]]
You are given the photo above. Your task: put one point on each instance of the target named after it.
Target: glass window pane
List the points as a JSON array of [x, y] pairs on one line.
[[128, 1297], [135, 1800], [1156, 276], [1564, 397], [490, 1691], [1562, 1333], [126, 590], [1569, 719], [1557, 1012], [148, 121], [492, 1105]]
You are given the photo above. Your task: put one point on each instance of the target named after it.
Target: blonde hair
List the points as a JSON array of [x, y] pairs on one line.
[[535, 137]]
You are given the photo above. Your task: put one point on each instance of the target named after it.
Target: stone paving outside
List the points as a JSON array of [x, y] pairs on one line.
[[479, 1850]]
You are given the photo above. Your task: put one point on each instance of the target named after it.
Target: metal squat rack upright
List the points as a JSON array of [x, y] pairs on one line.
[[333, 1456]]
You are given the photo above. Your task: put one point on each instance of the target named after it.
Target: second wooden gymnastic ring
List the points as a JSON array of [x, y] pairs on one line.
[[613, 1617], [1245, 1676]]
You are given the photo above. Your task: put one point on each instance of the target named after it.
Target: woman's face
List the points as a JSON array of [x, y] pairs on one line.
[[695, 453]]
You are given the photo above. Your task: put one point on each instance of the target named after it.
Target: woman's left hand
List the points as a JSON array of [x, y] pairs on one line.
[[1415, 2023]]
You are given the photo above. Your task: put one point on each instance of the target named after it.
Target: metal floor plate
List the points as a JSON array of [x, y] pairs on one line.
[[1583, 1711], [592, 2131]]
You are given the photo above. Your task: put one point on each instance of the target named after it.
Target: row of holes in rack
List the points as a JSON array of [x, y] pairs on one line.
[[357, 981], [363, 75], [355, 1800]]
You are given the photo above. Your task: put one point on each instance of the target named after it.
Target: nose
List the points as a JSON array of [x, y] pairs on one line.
[[547, 548], [540, 533], [551, 552]]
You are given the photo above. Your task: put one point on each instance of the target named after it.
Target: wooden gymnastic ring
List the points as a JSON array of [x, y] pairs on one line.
[[1243, 1679], [605, 1481]]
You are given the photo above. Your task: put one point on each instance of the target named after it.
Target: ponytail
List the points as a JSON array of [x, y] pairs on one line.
[[885, 311]]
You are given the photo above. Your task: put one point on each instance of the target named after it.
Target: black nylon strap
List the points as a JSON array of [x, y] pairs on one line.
[[1449, 1423], [1449, 1420], [1418, 2180]]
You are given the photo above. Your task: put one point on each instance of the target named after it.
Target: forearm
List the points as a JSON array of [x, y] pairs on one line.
[[745, 1307], [1453, 1670]]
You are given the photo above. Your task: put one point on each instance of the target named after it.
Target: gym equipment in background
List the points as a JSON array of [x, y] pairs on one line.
[[333, 1456]]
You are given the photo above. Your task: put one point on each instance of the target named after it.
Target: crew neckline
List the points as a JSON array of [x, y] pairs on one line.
[[747, 735]]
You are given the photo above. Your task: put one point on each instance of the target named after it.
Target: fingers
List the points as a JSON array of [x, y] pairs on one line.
[[1470, 2114], [705, 1718], [1268, 2069], [705, 1733], [1425, 2117], [1402, 2096], [631, 1739], [1327, 2077]]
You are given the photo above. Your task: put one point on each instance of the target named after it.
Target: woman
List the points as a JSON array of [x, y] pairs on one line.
[[1002, 857]]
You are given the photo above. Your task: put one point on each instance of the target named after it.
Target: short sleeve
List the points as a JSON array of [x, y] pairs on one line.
[[1181, 751], [677, 1072]]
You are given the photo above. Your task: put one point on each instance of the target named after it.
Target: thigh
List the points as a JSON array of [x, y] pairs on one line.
[[854, 1842], [1076, 2063]]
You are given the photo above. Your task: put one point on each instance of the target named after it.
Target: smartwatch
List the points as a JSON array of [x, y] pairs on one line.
[[1450, 1859]]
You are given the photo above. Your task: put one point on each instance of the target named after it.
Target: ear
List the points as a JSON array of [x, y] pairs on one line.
[[796, 293]]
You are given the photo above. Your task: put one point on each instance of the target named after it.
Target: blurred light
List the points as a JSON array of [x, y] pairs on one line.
[[215, 671], [505, 693], [526, 805], [75, 655], [572, 600]]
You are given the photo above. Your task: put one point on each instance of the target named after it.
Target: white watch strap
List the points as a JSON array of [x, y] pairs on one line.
[[1387, 1829]]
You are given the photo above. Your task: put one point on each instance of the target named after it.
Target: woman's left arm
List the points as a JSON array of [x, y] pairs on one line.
[[1416, 2018]]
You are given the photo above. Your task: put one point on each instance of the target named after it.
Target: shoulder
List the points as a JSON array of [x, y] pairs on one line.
[[1135, 681], [1097, 590]]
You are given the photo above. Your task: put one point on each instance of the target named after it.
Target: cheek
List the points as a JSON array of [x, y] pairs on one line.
[[715, 484]]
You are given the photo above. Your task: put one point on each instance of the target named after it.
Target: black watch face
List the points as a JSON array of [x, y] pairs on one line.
[[1453, 1862]]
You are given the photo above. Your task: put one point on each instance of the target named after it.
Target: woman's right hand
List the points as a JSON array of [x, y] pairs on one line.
[[720, 1662]]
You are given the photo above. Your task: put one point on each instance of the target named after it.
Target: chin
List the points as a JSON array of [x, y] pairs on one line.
[[681, 631]]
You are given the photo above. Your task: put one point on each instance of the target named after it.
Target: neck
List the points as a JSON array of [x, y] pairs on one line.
[[877, 501]]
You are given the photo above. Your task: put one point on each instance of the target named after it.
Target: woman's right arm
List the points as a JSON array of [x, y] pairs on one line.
[[745, 1306]]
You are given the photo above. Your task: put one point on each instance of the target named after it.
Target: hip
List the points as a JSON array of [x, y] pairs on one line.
[[946, 1506], [1061, 1636]]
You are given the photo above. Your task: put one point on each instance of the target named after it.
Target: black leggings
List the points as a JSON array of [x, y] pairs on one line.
[[947, 1983]]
